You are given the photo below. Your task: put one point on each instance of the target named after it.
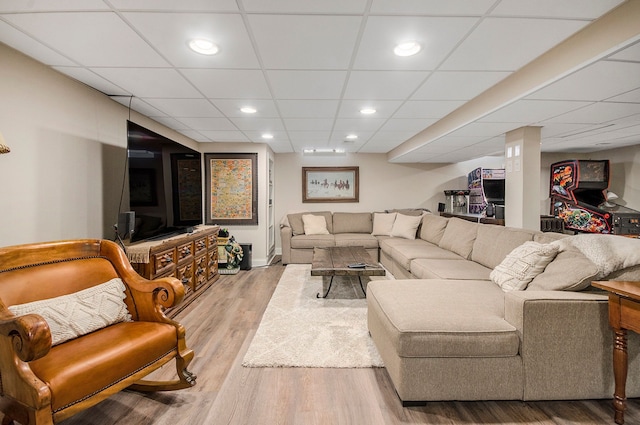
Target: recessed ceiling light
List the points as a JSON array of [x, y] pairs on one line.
[[351, 136], [248, 110], [267, 136], [367, 111], [407, 48], [203, 46]]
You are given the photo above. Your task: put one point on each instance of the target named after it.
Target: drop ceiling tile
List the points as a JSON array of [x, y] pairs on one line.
[[178, 108], [308, 108], [280, 146], [258, 124], [118, 44], [600, 112], [30, 47], [412, 125], [453, 85], [198, 137], [431, 7], [305, 6], [384, 108], [340, 136], [551, 130], [50, 6], [427, 108], [231, 107], [571, 9], [532, 111], [309, 124], [202, 124], [631, 53], [392, 138], [144, 108], [384, 85], [632, 97], [182, 5], [170, 33], [225, 136], [437, 36], [305, 41], [484, 130], [490, 48], [599, 81], [149, 82], [354, 125], [91, 79], [307, 84], [171, 123], [229, 84], [312, 139]]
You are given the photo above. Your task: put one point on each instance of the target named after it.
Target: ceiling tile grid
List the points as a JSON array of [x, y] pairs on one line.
[[308, 67]]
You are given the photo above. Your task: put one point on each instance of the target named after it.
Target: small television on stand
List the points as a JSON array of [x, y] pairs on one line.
[[165, 186]]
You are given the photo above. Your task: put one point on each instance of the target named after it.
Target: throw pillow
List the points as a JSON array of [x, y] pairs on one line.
[[522, 265], [314, 225], [70, 316], [383, 223], [406, 226]]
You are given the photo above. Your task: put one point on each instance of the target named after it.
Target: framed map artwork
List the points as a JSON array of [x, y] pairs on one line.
[[232, 188]]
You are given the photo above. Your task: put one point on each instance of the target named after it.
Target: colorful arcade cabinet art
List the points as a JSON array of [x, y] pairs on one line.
[[487, 189], [578, 196]]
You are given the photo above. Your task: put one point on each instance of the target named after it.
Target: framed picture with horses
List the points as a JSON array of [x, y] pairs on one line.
[[330, 184]]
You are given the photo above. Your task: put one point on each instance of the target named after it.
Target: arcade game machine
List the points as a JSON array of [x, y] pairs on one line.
[[486, 186], [578, 196]]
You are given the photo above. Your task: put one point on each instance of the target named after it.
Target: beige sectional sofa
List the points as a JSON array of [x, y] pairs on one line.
[[447, 331]]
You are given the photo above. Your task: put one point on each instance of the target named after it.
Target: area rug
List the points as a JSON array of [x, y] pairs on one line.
[[300, 330]]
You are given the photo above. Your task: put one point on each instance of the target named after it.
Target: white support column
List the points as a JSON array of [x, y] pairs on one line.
[[522, 185]]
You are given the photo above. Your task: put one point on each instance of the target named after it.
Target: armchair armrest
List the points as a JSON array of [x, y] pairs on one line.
[[29, 334]]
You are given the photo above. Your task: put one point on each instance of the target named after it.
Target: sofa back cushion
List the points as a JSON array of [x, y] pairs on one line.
[[569, 271], [352, 222], [433, 228], [383, 223], [493, 243], [297, 225], [459, 236]]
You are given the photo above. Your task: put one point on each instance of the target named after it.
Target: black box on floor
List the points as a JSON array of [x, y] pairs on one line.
[[245, 263]]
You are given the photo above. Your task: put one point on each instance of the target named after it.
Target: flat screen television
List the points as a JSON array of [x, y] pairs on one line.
[[165, 185]]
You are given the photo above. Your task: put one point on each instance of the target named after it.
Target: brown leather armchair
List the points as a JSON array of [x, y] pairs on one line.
[[45, 384]]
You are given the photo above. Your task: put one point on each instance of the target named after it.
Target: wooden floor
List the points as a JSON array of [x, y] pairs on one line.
[[220, 326]]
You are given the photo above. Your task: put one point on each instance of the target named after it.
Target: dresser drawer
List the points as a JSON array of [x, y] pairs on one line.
[[185, 251], [200, 246], [163, 262], [184, 274]]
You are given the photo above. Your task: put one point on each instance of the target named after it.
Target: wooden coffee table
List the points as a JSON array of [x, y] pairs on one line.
[[335, 261]]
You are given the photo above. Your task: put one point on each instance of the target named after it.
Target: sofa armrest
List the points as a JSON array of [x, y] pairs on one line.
[[565, 344], [286, 233]]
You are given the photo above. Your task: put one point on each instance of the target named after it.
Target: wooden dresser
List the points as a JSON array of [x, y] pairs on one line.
[[192, 258]]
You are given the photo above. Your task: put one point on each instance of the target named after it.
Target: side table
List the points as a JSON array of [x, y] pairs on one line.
[[624, 314]]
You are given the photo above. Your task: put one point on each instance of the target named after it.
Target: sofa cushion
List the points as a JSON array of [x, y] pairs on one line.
[[312, 241], [443, 318], [403, 254], [428, 268], [493, 243], [523, 264], [406, 226], [352, 223], [569, 271], [548, 237], [388, 243], [459, 236], [79, 313], [297, 226], [433, 228], [314, 225], [383, 223], [365, 240]]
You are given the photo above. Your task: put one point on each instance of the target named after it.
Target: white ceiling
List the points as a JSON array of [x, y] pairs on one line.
[[309, 66]]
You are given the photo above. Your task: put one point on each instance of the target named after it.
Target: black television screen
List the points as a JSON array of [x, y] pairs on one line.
[[165, 184]]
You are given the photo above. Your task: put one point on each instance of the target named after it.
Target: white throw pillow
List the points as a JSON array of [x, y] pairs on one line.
[[70, 316], [523, 264], [383, 223], [406, 226], [314, 224]]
